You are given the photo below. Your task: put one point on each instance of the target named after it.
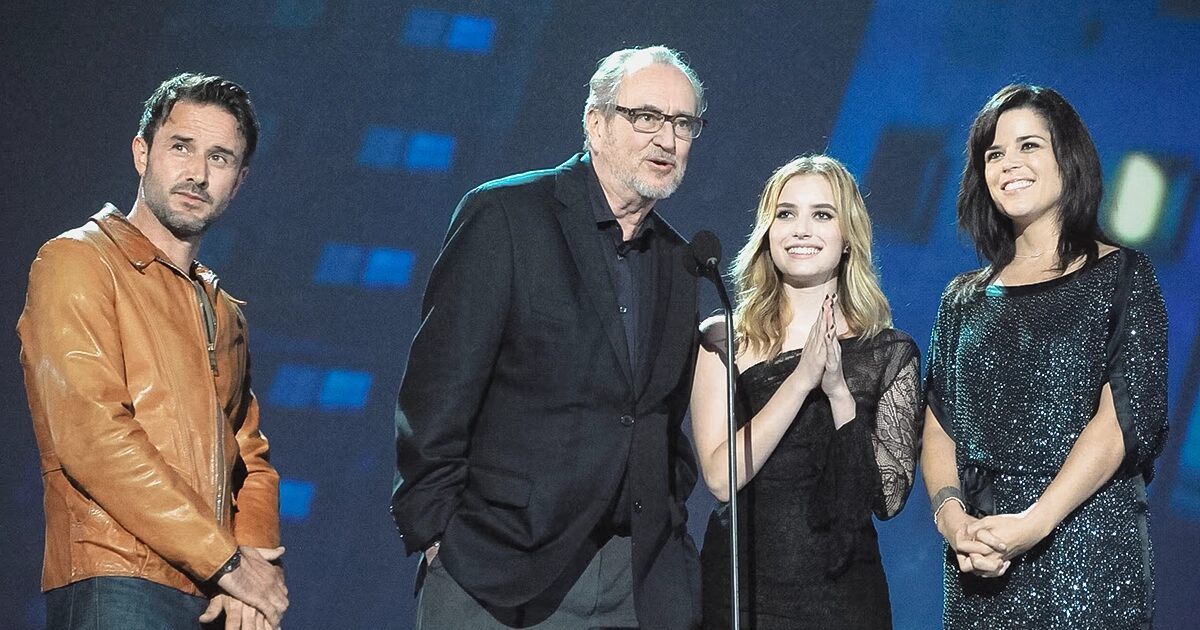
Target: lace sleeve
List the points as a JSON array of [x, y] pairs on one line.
[[871, 460], [896, 438]]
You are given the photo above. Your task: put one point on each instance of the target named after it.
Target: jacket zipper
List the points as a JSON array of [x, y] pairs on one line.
[[208, 316], [210, 324]]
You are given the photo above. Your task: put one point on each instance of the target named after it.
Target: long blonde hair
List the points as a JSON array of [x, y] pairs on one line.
[[762, 313]]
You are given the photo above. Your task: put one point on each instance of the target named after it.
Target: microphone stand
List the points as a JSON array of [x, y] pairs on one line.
[[710, 269]]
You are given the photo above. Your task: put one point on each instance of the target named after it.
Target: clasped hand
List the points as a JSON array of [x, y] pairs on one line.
[[254, 596], [986, 546], [820, 364]]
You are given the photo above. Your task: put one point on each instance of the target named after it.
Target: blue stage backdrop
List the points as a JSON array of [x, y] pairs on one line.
[[378, 115]]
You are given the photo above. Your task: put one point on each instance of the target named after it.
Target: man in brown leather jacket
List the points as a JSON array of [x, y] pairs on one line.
[[161, 505]]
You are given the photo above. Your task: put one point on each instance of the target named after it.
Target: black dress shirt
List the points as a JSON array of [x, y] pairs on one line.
[[631, 267]]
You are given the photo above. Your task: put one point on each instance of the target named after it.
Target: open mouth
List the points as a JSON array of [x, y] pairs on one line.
[[1016, 184], [803, 250]]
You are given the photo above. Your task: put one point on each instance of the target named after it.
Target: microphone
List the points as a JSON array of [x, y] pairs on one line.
[[706, 250]]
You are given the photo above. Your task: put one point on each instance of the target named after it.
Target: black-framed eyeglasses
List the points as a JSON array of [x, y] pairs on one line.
[[650, 121]]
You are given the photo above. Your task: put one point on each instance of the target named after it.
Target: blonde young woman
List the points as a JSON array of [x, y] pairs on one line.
[[829, 399]]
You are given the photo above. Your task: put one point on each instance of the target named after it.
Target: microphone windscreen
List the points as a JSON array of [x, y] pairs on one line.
[[706, 249]]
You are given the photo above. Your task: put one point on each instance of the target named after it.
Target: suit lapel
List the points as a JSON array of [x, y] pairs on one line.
[[579, 230]]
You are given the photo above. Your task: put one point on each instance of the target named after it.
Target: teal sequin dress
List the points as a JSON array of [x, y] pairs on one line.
[[1015, 374]]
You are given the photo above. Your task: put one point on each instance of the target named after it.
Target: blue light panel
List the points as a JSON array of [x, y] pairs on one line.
[[344, 390], [340, 263], [389, 268], [473, 34], [295, 386], [295, 499], [382, 148], [424, 28], [430, 152]]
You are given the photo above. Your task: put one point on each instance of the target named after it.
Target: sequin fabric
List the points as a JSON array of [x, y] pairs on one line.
[[1015, 374]]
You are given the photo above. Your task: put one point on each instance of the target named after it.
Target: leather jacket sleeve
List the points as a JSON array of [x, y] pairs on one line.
[[256, 521], [73, 352]]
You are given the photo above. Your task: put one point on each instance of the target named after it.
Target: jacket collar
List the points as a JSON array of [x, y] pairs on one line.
[[133, 244], [571, 181], [138, 249], [578, 223]]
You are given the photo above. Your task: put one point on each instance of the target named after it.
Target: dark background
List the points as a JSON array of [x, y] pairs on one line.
[[377, 116]]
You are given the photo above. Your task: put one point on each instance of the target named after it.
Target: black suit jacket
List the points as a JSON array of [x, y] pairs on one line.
[[519, 407]]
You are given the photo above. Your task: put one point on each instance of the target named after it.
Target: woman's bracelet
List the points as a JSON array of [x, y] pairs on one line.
[[943, 504], [944, 496]]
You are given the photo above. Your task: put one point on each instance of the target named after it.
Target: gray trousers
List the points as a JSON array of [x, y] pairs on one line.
[[602, 597]]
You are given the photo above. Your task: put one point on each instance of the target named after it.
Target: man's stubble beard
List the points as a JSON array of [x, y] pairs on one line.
[[181, 225], [647, 190]]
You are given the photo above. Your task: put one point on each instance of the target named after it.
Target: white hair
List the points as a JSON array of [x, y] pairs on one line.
[[606, 82]]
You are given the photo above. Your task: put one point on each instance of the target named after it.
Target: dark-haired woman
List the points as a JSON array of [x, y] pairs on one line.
[[1046, 387]]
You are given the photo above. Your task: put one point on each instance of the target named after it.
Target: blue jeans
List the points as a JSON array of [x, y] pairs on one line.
[[122, 603]]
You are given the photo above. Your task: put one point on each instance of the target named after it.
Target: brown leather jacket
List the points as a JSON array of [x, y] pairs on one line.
[[138, 383]]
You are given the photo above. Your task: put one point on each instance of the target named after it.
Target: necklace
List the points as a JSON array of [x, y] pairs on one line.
[[1037, 255]]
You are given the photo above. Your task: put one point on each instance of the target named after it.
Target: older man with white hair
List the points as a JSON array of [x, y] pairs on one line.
[[541, 466]]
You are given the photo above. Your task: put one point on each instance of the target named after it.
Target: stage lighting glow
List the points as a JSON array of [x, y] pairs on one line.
[[295, 386], [344, 390], [339, 263], [388, 268], [298, 386], [1138, 199], [391, 149], [429, 152], [295, 499], [430, 28], [470, 33], [424, 27], [382, 148]]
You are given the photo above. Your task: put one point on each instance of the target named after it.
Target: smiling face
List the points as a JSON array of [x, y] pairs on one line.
[[805, 237], [192, 170], [633, 164], [1021, 170]]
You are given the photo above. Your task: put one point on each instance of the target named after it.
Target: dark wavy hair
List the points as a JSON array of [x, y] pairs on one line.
[[1078, 166], [201, 90]]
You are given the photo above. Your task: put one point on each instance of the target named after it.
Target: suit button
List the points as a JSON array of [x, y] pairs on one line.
[[637, 506], [627, 420]]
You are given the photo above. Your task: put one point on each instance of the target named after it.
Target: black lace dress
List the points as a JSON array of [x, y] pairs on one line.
[[809, 556]]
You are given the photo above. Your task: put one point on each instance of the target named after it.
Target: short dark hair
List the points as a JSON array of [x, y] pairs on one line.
[[201, 90], [1078, 166]]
